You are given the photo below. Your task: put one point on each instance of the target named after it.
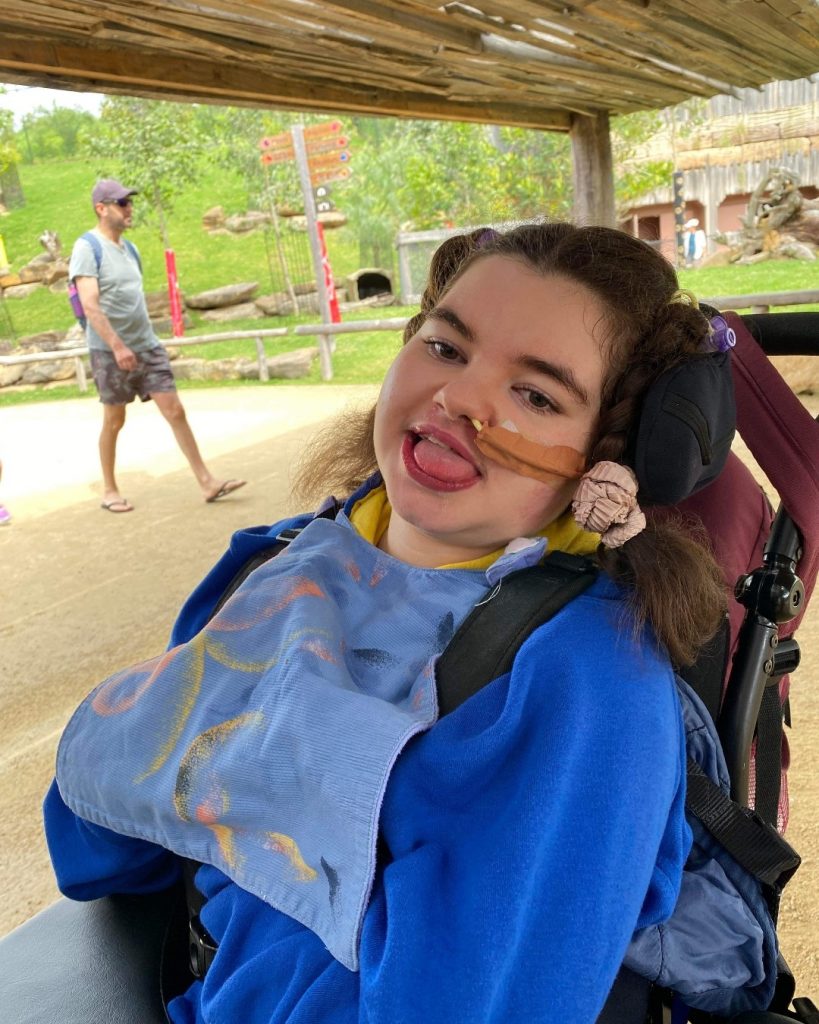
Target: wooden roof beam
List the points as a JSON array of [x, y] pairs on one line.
[[195, 79]]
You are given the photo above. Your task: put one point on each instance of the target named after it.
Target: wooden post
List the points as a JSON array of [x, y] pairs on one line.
[[593, 171], [404, 274], [79, 370], [264, 373]]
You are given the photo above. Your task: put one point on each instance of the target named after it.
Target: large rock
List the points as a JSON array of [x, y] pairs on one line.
[[241, 223], [45, 341], [158, 303], [75, 335], [203, 369], [164, 325], [59, 287], [275, 304], [10, 374], [20, 291], [228, 295], [244, 311], [55, 271], [280, 303], [34, 272], [330, 219], [41, 373], [213, 218], [289, 365]]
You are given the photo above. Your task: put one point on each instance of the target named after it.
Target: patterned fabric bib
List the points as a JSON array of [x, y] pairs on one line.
[[263, 746]]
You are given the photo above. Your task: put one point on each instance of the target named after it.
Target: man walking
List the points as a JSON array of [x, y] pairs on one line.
[[127, 359]]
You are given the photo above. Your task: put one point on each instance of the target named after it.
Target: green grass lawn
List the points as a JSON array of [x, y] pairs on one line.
[[58, 197], [771, 276]]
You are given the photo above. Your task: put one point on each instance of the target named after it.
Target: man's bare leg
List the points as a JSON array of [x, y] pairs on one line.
[[170, 405], [113, 418]]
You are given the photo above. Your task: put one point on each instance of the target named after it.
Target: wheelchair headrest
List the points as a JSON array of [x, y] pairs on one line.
[[685, 429]]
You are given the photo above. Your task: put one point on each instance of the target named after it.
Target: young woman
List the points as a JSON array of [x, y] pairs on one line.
[[364, 860]]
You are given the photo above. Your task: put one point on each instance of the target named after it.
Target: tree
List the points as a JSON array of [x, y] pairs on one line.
[[8, 148], [156, 147], [633, 136], [55, 133]]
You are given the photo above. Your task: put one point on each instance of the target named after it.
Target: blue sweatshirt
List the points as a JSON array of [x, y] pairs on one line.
[[531, 832]]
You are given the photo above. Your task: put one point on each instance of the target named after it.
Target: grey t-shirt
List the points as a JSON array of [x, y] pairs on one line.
[[121, 296]]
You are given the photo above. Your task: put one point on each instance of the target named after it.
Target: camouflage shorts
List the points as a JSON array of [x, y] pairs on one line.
[[118, 387]]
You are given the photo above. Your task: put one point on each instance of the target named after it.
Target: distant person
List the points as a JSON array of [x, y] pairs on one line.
[[5, 515], [127, 359], [694, 242]]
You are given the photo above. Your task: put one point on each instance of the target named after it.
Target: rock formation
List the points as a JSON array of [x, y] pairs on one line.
[[780, 223]]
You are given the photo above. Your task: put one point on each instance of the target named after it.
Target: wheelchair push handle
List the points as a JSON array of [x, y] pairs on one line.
[[784, 334]]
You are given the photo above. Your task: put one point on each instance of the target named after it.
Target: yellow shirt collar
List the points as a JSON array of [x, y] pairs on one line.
[[371, 515]]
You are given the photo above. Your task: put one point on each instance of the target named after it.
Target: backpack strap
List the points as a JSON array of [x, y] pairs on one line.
[[132, 249], [96, 248]]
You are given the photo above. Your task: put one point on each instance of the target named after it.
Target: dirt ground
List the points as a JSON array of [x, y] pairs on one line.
[[84, 592]]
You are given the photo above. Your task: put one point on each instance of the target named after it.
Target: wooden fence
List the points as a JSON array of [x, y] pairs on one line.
[[758, 303]]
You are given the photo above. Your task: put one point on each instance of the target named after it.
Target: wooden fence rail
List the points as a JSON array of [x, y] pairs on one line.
[[758, 303]]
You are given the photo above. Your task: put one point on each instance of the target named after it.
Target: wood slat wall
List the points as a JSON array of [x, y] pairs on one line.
[[527, 62]]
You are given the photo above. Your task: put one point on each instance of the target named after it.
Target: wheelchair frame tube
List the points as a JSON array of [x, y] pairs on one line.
[[772, 595]]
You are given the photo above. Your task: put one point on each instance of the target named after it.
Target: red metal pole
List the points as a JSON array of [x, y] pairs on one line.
[[177, 319], [335, 313]]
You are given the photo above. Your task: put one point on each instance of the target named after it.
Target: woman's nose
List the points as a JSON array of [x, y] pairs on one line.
[[464, 397]]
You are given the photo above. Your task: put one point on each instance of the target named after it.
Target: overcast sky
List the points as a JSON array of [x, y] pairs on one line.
[[24, 99]]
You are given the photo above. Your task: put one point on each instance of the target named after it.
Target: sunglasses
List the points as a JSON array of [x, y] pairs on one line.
[[121, 203]]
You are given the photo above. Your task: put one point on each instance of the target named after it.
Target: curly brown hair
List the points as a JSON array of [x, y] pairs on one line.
[[674, 581]]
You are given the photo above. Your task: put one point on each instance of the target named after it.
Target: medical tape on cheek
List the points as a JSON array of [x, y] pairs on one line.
[[541, 462]]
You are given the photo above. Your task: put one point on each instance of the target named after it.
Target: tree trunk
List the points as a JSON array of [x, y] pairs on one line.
[[593, 171], [163, 225]]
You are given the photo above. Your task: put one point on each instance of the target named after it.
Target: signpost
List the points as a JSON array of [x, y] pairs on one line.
[[321, 156]]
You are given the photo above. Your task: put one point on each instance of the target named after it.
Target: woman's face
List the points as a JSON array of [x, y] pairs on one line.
[[505, 343]]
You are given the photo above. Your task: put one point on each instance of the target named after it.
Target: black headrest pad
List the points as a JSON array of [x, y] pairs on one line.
[[685, 430]]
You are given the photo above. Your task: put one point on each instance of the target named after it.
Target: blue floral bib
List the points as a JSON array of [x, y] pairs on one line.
[[263, 746]]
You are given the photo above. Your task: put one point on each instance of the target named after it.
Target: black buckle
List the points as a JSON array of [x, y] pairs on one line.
[[201, 948]]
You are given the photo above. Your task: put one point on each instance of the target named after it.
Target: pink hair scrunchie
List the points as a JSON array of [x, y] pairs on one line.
[[605, 502]]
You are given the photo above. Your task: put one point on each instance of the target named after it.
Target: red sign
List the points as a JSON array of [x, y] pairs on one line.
[[278, 156], [327, 145], [282, 141], [323, 130], [325, 160], [323, 175], [277, 148]]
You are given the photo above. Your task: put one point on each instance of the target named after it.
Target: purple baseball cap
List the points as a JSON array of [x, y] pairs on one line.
[[109, 190]]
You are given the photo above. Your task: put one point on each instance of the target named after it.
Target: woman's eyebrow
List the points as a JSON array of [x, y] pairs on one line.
[[562, 374], [450, 317]]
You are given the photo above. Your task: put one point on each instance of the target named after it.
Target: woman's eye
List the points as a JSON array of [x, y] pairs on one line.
[[443, 350], [537, 400]]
